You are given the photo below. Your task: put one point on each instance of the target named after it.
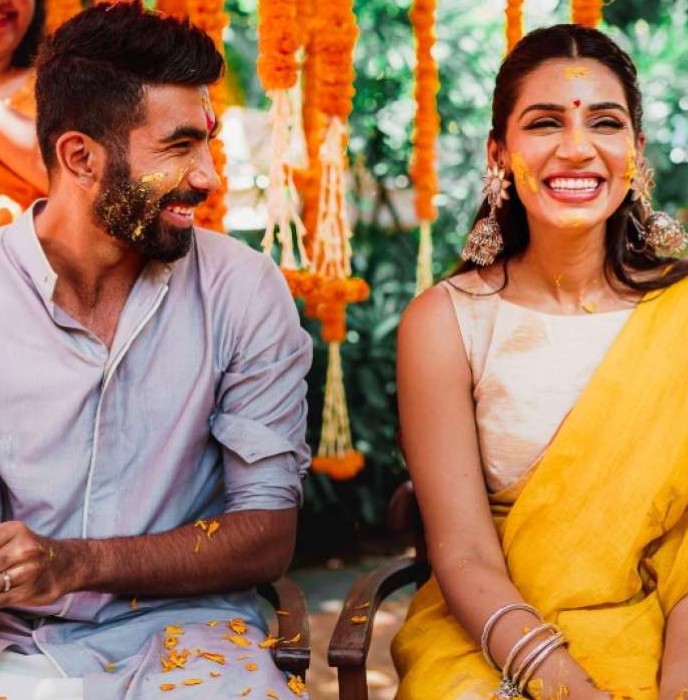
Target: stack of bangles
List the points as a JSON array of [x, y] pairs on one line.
[[535, 646]]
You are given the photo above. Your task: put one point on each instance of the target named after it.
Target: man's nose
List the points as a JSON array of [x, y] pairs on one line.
[[202, 175]]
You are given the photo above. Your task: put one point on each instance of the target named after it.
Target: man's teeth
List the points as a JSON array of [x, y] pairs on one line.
[[570, 183], [182, 211]]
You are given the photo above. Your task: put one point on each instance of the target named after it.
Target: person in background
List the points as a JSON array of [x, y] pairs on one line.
[[153, 412], [543, 398], [22, 174]]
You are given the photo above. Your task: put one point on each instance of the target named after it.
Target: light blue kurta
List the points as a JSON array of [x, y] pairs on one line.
[[198, 408]]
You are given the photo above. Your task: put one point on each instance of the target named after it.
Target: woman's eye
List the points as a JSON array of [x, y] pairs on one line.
[[545, 123], [607, 123]]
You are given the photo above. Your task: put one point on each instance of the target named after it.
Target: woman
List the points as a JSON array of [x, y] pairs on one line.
[[542, 397], [22, 174]]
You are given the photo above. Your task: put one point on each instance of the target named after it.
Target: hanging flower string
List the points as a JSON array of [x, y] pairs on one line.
[[586, 12], [59, 11], [172, 8], [514, 23], [279, 38], [331, 288], [209, 16], [314, 123], [424, 158]]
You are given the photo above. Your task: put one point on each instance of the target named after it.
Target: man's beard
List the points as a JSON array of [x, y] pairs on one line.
[[130, 211]]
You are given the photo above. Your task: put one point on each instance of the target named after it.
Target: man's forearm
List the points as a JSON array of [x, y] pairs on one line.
[[228, 552]]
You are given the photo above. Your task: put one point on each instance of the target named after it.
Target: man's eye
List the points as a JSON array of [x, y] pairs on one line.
[[182, 145]]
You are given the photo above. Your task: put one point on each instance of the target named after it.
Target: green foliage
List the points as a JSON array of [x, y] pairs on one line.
[[470, 44]]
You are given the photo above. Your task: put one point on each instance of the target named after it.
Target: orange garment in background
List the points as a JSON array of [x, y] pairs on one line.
[[11, 184]]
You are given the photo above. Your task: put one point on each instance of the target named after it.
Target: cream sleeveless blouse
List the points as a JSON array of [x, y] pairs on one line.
[[529, 368]]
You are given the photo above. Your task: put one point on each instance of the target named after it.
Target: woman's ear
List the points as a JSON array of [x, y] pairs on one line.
[[81, 158], [496, 153]]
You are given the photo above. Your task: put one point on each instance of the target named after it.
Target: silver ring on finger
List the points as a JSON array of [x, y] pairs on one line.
[[7, 581]]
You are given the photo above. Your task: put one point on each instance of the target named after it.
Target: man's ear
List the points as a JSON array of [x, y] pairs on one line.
[[80, 157]]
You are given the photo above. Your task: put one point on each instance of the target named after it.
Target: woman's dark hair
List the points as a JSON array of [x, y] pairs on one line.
[[91, 73], [624, 251], [26, 51]]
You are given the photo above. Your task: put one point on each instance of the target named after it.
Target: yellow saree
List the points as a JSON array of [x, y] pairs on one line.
[[595, 534]]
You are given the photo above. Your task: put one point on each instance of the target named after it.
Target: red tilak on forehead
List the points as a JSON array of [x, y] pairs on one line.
[[576, 102], [210, 118]]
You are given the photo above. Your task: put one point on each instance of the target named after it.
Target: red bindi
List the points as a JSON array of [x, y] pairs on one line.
[[576, 102]]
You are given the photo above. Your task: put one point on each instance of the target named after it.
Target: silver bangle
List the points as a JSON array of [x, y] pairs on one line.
[[520, 644], [545, 649], [490, 623]]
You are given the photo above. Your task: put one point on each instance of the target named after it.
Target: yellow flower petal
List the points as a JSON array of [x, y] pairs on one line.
[[251, 666], [213, 527], [296, 685], [168, 686], [269, 642], [192, 681], [237, 639], [217, 658], [237, 625], [170, 642]]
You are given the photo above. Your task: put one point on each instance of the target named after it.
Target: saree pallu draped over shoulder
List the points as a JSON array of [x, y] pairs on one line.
[[595, 534]]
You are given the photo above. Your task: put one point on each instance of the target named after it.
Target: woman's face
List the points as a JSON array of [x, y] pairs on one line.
[[15, 18], [570, 145]]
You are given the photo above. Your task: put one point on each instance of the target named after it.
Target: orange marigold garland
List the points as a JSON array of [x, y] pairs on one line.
[[514, 23], [209, 15], [59, 11], [314, 123], [424, 159], [334, 36], [279, 38], [586, 12], [172, 8]]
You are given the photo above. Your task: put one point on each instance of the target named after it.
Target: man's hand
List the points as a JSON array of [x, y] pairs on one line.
[[34, 570]]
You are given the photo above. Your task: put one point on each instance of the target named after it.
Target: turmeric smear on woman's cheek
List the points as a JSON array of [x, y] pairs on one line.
[[522, 172]]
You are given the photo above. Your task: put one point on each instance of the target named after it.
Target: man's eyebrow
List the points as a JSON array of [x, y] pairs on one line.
[[552, 107], [186, 132]]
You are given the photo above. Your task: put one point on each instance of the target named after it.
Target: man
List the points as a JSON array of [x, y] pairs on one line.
[[152, 380]]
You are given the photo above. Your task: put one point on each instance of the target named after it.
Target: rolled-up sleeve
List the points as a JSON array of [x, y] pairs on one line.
[[260, 416]]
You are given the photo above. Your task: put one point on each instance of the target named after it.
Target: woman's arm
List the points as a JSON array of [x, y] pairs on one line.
[[441, 447], [674, 676], [19, 147]]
